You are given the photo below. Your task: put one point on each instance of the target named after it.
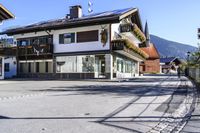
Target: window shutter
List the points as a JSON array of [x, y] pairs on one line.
[[61, 39]]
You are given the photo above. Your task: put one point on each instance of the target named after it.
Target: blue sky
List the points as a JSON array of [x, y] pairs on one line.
[[175, 20]]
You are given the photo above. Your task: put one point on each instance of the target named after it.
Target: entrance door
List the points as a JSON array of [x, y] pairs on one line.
[[100, 66]]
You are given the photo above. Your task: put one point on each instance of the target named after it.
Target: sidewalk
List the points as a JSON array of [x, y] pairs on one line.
[[193, 125]]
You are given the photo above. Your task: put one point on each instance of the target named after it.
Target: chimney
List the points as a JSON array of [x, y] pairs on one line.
[[75, 12]]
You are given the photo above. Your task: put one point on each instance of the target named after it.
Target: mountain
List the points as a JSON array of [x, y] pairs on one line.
[[170, 48]]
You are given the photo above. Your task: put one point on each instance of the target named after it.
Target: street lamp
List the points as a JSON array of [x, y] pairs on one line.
[[187, 68], [188, 56]]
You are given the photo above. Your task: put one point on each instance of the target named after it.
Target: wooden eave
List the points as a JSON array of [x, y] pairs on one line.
[[5, 14]]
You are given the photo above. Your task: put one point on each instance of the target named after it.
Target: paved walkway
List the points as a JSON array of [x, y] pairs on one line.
[[193, 124], [145, 104]]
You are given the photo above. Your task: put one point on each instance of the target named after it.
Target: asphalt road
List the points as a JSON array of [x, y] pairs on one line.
[[145, 104]]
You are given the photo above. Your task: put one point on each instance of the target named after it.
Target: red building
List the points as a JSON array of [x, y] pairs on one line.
[[152, 64]]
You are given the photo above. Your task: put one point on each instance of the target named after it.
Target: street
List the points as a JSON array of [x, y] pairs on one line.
[[144, 104]]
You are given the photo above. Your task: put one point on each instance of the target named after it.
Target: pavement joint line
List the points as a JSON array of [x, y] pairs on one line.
[[21, 96]]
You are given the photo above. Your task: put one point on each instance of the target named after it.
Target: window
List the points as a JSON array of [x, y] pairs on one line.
[[23, 42], [29, 67], [7, 67], [120, 65], [46, 67], [43, 40], [37, 67], [76, 64], [66, 38], [88, 64], [88, 36]]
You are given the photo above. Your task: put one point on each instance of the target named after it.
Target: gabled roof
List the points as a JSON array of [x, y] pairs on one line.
[[167, 59], [151, 51], [5, 14], [93, 19]]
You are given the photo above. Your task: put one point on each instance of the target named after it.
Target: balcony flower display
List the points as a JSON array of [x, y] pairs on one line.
[[130, 45]]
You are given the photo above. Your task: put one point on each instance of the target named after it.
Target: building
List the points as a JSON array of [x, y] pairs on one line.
[[4, 15], [101, 45], [152, 63], [170, 64]]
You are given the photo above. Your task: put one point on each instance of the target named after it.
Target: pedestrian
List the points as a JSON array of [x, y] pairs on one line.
[[179, 71]]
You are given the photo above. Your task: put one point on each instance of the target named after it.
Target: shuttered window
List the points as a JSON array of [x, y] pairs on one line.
[[87, 36]]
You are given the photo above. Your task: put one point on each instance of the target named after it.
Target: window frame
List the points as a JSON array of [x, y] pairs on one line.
[[7, 67], [62, 36]]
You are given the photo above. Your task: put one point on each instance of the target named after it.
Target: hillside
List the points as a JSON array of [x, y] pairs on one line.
[[170, 48]]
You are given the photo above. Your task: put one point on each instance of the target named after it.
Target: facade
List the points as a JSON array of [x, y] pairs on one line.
[[10, 67], [4, 15], [102, 45], [169, 64], [152, 63]]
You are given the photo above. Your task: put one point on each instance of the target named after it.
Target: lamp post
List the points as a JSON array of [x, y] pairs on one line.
[[187, 68], [188, 57]]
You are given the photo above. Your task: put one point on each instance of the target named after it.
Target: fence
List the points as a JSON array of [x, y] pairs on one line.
[[194, 73]]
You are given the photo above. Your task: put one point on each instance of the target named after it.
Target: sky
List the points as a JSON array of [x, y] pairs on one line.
[[175, 20]]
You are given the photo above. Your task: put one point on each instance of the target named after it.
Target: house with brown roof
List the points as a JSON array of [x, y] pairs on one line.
[[152, 63], [5, 14], [78, 46]]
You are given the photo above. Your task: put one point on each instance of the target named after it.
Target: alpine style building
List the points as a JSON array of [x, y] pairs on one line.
[[4, 15], [152, 63], [101, 45]]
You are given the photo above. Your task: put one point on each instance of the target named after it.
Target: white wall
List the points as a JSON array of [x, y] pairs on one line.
[[13, 67], [114, 29], [73, 47], [79, 47]]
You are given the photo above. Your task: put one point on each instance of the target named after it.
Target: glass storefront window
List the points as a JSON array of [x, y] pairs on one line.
[[128, 67], [125, 65], [87, 64], [120, 65], [76, 64], [1, 66]]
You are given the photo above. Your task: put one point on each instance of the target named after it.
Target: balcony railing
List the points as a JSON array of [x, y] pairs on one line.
[[45, 49], [8, 51], [126, 45], [129, 27]]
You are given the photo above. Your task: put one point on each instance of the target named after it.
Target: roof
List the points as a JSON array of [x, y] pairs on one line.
[[167, 59], [151, 51], [97, 18], [5, 14]]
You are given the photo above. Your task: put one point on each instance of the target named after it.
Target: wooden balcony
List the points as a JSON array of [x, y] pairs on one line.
[[30, 52], [8, 51], [133, 28], [123, 45]]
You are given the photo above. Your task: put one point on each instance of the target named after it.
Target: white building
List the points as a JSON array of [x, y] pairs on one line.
[[102, 45], [4, 15]]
